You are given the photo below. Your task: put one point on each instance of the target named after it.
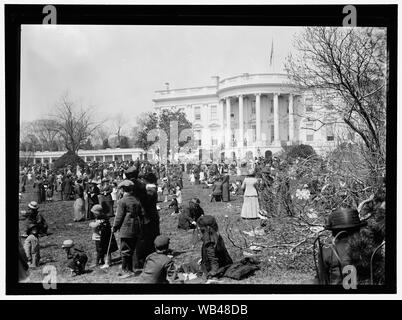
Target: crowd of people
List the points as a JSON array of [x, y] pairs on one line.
[[129, 192]]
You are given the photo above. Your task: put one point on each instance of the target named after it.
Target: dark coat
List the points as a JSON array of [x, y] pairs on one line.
[[330, 267], [225, 188], [214, 256], [129, 217], [189, 215], [156, 269], [67, 187], [217, 188]]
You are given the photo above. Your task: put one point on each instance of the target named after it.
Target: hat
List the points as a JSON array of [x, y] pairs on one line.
[[125, 183], [97, 210], [33, 205], [344, 218], [161, 242], [67, 243], [207, 221], [131, 172]]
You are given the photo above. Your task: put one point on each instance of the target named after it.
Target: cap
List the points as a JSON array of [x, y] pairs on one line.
[[161, 242], [67, 243]]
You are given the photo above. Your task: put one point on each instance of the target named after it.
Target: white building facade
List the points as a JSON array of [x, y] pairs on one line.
[[246, 115]]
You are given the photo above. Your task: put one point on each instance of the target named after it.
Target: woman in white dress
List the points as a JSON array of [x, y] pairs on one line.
[[251, 208]]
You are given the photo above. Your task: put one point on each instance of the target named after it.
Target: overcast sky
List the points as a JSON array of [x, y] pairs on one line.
[[118, 68]]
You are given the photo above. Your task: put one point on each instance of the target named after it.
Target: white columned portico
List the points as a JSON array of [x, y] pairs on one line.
[[276, 118], [291, 118], [241, 123], [258, 117], [228, 131], [103, 158]]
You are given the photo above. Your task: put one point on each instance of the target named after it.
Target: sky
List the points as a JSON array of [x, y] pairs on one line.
[[117, 69]]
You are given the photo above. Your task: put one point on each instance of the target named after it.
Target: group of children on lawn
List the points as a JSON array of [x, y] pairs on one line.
[[159, 266]]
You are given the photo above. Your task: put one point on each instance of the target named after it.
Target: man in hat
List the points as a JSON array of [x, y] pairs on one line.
[[129, 221], [34, 217], [93, 192], [334, 255]]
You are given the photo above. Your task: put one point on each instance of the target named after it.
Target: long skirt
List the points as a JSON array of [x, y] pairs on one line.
[[79, 209], [250, 208]]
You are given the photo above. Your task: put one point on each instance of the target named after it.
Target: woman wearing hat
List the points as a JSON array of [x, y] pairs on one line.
[[251, 206], [214, 254], [92, 192], [40, 189], [335, 255], [105, 197]]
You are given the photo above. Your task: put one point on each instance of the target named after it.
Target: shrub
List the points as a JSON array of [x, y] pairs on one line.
[[300, 151], [69, 158]]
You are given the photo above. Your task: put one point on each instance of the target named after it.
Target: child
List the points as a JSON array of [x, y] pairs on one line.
[[31, 246], [178, 196], [49, 193], [174, 204], [158, 267], [102, 234], [165, 188], [78, 258]]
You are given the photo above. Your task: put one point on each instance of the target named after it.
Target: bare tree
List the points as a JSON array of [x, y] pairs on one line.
[[346, 68], [119, 123], [74, 125], [46, 131]]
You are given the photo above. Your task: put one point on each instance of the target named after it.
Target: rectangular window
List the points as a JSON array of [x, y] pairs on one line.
[[214, 112], [310, 137], [330, 132], [254, 132], [310, 124], [309, 104], [197, 113]]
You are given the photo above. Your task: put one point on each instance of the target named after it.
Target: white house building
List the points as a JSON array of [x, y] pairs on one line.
[[248, 114]]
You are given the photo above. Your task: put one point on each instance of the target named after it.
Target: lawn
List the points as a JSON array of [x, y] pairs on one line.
[[281, 262]]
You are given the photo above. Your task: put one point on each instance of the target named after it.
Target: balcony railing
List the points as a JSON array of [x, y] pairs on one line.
[[261, 78]]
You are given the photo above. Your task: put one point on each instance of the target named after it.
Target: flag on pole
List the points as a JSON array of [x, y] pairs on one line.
[[271, 56]]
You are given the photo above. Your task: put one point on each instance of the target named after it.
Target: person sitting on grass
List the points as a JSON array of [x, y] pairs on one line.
[[77, 259], [189, 216], [34, 217], [175, 205], [31, 246], [102, 234], [158, 267]]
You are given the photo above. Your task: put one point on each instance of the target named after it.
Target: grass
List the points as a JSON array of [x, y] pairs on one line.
[[278, 264]]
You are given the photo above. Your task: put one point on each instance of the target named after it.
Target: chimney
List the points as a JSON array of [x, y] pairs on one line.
[[167, 86], [216, 78]]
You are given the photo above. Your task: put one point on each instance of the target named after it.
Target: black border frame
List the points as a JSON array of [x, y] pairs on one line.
[[229, 15]]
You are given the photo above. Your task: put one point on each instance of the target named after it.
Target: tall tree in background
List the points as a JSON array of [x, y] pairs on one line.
[[151, 120], [347, 69], [73, 124]]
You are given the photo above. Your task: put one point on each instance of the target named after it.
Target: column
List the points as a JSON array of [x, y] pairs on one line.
[[85, 158], [291, 118], [240, 142], [114, 158], [228, 131], [276, 118], [258, 117], [42, 160], [103, 158], [122, 157], [222, 120]]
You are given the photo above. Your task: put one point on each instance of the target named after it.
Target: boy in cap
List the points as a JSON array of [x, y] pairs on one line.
[[158, 265], [31, 246], [102, 234], [34, 217], [78, 258]]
